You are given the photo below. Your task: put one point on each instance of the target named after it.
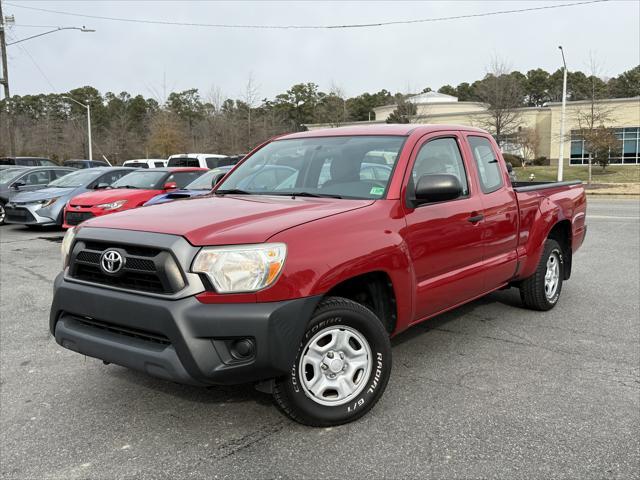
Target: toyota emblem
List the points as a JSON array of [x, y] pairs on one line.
[[111, 261]]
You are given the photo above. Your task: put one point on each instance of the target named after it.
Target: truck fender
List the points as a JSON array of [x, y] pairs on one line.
[[393, 260], [547, 216]]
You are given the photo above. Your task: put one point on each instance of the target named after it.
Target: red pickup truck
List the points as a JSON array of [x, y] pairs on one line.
[[298, 282]]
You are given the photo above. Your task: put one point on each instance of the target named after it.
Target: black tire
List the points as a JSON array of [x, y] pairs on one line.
[[289, 393], [532, 289], [2, 213]]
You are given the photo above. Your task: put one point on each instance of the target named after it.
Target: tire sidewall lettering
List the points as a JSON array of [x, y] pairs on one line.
[[375, 376]]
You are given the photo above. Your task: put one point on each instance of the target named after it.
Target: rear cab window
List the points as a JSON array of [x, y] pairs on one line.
[[215, 162], [184, 162], [486, 160]]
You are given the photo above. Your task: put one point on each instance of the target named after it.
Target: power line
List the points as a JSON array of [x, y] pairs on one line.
[[74, 121], [310, 27]]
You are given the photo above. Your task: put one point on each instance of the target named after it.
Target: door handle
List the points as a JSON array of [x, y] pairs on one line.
[[476, 218]]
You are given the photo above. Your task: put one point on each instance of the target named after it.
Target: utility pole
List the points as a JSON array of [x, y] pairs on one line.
[[562, 117], [5, 82]]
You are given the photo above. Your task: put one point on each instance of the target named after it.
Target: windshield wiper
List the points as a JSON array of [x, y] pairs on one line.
[[127, 186], [232, 191], [308, 194]]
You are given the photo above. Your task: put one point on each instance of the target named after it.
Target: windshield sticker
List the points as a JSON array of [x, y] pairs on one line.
[[376, 191]]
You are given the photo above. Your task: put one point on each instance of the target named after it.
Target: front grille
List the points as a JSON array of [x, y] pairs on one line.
[[125, 331], [145, 269], [76, 218], [19, 215]]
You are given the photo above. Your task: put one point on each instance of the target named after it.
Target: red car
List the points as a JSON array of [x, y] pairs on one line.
[[131, 191], [298, 283]]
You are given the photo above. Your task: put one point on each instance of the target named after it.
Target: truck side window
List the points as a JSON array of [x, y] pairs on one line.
[[488, 167], [439, 156]]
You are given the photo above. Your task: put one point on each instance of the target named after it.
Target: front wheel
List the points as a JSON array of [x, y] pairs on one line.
[[2, 213], [341, 369], [541, 290]]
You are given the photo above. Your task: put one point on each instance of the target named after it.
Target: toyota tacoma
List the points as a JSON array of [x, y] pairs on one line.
[[297, 282]]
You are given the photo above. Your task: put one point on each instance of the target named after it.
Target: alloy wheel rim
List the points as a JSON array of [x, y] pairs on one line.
[[552, 275], [335, 365], [2, 214]]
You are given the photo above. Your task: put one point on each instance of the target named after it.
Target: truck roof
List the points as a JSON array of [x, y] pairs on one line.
[[403, 129]]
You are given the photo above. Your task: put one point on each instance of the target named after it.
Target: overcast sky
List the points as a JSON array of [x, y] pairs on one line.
[[139, 57]]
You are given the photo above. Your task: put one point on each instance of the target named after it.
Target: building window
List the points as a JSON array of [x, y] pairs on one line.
[[628, 154]]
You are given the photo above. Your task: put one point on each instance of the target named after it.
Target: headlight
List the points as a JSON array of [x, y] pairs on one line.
[[65, 249], [242, 268], [112, 205], [47, 203]]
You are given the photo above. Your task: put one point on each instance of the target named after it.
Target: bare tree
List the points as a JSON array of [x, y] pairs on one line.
[[593, 118], [250, 98], [332, 107], [529, 141], [503, 94]]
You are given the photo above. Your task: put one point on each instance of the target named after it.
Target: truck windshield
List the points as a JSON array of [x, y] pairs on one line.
[[343, 167]]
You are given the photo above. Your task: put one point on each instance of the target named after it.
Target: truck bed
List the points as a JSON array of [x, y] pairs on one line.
[[531, 186]]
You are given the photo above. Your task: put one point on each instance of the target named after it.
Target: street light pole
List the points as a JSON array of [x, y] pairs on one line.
[[562, 117], [88, 107]]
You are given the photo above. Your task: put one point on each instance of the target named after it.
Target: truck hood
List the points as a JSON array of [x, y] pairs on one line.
[[44, 194], [228, 220], [109, 195]]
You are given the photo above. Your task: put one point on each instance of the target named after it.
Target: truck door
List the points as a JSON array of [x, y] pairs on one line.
[[499, 211], [444, 239]]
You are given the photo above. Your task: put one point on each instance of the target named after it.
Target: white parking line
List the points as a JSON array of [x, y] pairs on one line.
[[613, 217]]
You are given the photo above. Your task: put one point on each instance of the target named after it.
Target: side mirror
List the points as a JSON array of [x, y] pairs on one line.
[[509, 167], [170, 186], [102, 186], [216, 179], [18, 184], [437, 188]]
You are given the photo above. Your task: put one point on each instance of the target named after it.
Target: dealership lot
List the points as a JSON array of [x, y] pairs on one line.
[[488, 390]]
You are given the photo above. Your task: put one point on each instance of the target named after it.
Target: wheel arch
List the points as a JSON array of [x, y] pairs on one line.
[[374, 290], [561, 233]]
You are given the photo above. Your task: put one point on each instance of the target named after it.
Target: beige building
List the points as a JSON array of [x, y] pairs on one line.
[[540, 124]]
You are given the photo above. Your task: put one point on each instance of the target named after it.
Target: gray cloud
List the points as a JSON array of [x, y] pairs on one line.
[[138, 57]]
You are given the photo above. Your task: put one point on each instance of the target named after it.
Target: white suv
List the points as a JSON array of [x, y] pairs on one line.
[[146, 163], [203, 160]]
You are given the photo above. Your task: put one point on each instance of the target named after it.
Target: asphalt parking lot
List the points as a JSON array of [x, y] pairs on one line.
[[489, 390]]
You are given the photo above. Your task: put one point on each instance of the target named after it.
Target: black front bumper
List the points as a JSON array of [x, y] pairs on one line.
[[181, 340]]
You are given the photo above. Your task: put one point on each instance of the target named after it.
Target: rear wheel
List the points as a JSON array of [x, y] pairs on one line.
[[341, 369], [541, 290]]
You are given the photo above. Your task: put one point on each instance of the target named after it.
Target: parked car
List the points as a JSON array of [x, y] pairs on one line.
[[20, 179], [204, 160], [28, 161], [200, 186], [77, 163], [146, 163], [131, 191], [46, 206], [300, 289]]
